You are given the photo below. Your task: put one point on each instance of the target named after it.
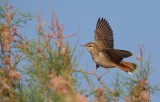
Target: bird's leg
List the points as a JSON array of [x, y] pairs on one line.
[[99, 78]]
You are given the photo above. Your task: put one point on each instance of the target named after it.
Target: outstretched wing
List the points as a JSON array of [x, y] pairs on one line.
[[103, 34]]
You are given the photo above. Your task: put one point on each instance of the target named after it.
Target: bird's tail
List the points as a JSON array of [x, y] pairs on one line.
[[127, 66]]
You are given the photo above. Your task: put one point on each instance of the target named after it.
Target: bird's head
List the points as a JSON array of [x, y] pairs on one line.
[[91, 47]]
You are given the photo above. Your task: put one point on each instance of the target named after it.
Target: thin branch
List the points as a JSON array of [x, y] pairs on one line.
[[101, 82], [66, 36]]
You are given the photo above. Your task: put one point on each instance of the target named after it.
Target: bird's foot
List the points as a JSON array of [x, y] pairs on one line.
[[97, 66]]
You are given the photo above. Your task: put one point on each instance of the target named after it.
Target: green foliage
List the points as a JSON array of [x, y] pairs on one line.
[[12, 17], [43, 69]]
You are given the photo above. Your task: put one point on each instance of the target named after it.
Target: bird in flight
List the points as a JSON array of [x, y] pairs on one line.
[[103, 52]]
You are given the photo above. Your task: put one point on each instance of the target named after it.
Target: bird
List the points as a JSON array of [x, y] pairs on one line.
[[103, 52]]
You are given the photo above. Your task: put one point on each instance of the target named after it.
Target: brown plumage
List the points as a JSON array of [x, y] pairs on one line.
[[103, 52]]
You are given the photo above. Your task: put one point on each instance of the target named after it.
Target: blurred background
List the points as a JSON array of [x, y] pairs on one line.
[[135, 26]]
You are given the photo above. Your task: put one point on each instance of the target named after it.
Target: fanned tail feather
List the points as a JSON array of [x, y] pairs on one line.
[[127, 66]]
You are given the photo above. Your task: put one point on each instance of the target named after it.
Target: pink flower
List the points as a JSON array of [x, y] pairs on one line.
[[14, 74], [14, 29], [138, 57], [81, 98]]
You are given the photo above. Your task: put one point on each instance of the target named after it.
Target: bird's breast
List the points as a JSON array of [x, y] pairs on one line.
[[102, 60]]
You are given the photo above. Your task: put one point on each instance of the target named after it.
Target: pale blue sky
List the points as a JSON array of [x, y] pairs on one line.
[[133, 22]]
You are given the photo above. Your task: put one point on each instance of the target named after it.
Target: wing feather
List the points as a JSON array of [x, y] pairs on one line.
[[103, 34], [116, 55]]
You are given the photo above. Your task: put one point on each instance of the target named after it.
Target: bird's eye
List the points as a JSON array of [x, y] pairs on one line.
[[89, 46]]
